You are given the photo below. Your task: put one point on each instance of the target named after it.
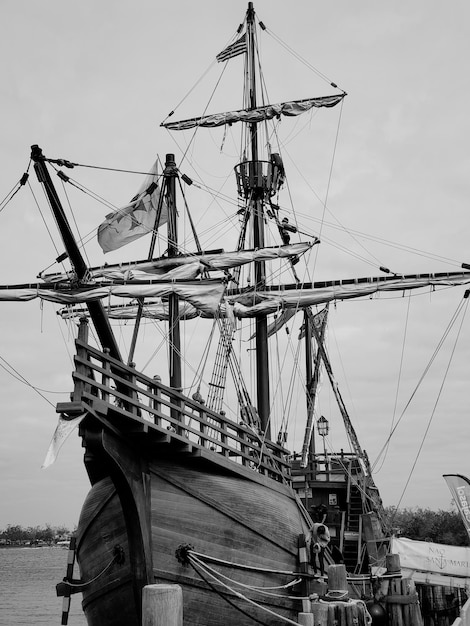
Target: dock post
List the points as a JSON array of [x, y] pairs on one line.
[[338, 582], [162, 605], [306, 619]]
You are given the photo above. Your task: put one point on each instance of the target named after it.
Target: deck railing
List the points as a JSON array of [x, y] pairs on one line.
[[134, 402]]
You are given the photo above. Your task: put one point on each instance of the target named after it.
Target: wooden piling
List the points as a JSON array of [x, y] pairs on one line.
[[162, 605], [392, 563], [395, 609], [335, 608], [340, 611], [306, 619], [338, 582], [402, 602], [332, 619], [320, 613]]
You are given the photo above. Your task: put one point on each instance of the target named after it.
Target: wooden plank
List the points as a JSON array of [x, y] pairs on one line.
[[70, 408], [273, 515]]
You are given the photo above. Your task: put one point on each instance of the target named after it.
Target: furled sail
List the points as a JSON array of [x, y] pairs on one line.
[[272, 300], [258, 114], [235, 303], [204, 295], [188, 266], [152, 309]]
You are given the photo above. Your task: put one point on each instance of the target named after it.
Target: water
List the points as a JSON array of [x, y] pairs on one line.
[[28, 577]]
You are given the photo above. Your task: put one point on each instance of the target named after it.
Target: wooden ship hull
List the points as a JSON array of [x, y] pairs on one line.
[[169, 476]]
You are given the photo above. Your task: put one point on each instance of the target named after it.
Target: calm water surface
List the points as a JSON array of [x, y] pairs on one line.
[[28, 577]]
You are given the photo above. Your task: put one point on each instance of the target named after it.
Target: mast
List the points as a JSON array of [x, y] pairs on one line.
[[170, 173], [97, 314], [309, 437], [312, 380], [262, 363]]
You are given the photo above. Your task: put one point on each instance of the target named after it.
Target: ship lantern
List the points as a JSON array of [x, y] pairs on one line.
[[323, 426]]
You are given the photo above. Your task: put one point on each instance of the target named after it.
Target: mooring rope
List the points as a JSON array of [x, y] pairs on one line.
[[240, 596], [243, 566], [118, 557], [262, 590]]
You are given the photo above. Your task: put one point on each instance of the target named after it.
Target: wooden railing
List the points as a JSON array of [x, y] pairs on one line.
[[135, 403]]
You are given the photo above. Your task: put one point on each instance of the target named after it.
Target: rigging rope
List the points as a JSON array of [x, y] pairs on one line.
[[70, 164], [434, 407], [426, 370], [302, 60], [80, 239], [42, 217], [19, 377], [12, 193], [398, 381], [381, 240]]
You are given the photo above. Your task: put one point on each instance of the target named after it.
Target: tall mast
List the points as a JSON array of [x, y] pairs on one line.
[[97, 314], [312, 380], [262, 362], [170, 173]]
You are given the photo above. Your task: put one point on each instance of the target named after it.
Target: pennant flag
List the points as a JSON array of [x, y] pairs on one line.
[[64, 428], [318, 321], [460, 488], [135, 219], [239, 47]]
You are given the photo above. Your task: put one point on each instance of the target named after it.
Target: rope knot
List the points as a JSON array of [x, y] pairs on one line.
[[182, 553]]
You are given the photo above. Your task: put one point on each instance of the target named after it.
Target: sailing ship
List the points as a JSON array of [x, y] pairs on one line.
[[188, 488]]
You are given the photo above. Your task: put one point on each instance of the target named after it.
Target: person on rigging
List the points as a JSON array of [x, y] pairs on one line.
[[286, 229]]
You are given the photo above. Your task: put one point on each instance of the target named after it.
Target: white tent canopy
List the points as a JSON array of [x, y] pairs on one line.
[[433, 563]]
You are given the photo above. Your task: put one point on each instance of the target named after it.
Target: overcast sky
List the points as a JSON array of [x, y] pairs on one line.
[[91, 82]]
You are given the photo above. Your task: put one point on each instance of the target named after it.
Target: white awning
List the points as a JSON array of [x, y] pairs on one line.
[[433, 563]]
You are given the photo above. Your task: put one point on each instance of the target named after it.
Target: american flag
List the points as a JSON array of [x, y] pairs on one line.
[[236, 48]]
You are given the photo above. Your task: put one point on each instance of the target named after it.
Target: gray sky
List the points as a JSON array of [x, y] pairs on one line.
[[91, 82]]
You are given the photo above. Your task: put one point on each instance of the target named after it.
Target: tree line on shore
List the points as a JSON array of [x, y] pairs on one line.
[[16, 534], [420, 524], [425, 525]]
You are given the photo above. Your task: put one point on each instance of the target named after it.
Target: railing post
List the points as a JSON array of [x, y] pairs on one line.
[[156, 404], [106, 376], [134, 395], [82, 369], [223, 438]]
